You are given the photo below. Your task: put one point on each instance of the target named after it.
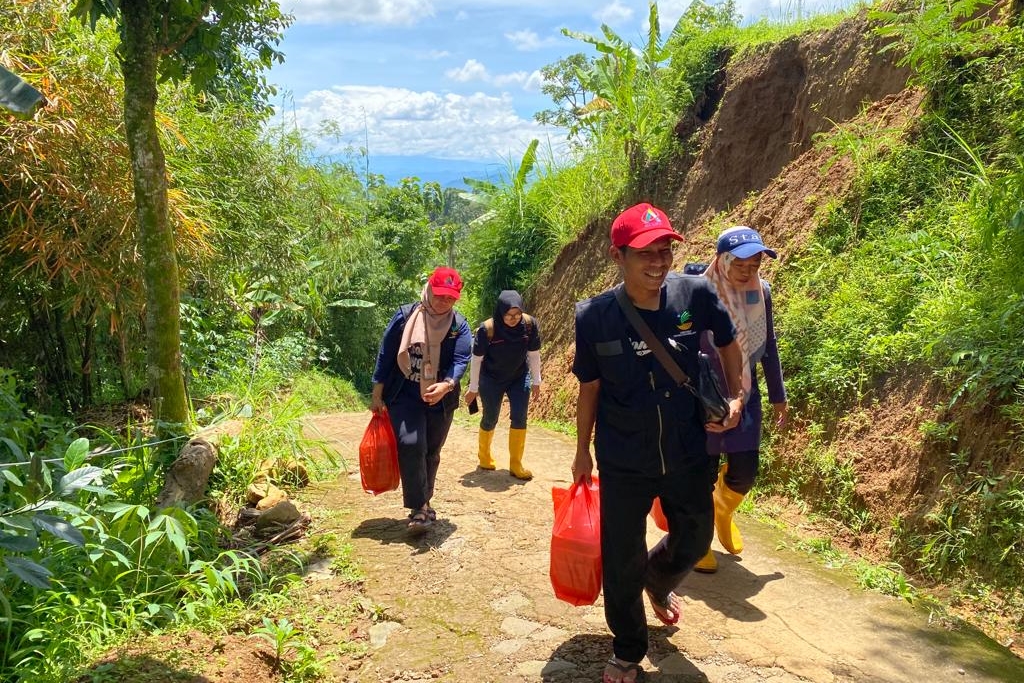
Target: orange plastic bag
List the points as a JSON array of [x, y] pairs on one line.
[[658, 515], [576, 544], [378, 456]]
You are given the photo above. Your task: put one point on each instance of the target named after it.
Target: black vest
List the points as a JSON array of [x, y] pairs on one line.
[[646, 424]]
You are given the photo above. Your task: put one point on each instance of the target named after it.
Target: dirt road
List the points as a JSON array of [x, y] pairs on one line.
[[471, 599]]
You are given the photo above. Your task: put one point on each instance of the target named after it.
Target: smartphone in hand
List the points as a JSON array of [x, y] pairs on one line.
[[474, 407]]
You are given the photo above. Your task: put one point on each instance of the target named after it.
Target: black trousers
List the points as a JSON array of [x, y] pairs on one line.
[[628, 568], [421, 431], [742, 471]]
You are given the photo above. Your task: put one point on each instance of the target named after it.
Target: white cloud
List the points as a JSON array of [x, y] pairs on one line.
[[527, 81], [434, 55], [517, 78], [614, 13], [534, 82], [399, 121], [528, 41], [472, 70], [669, 12], [385, 12]]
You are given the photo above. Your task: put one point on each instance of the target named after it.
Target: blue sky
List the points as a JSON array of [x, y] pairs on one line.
[[443, 79]]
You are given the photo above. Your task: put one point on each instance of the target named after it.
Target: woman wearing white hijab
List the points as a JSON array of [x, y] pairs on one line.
[[423, 355], [734, 271]]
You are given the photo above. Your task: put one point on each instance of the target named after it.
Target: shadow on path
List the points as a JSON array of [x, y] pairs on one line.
[[583, 657], [389, 531], [494, 481], [727, 591], [128, 668]]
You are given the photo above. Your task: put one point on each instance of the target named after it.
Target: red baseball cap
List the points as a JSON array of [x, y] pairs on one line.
[[640, 225], [445, 281]]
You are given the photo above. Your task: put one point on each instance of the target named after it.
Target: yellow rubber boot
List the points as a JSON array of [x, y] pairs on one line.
[[726, 502], [484, 452], [516, 446], [707, 564]]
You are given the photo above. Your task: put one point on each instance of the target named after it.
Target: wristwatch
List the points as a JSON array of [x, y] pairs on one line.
[[451, 384]]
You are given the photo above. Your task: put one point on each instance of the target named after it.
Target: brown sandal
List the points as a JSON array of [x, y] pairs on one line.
[[623, 668], [419, 521]]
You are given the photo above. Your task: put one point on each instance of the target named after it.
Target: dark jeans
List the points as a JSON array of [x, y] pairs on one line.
[[628, 567], [491, 393], [742, 470], [421, 431]]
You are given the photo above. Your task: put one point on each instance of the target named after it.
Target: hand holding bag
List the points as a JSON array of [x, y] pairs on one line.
[[378, 456], [706, 388], [576, 544]]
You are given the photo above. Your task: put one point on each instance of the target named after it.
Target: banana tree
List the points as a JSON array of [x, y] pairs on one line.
[[628, 100]]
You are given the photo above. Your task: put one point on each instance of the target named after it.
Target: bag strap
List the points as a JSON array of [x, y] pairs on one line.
[[656, 347]]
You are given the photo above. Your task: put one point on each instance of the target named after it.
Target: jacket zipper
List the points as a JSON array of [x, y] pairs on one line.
[[661, 453]]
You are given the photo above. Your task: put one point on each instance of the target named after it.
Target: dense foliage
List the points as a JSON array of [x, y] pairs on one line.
[[289, 264], [292, 264], [917, 272]]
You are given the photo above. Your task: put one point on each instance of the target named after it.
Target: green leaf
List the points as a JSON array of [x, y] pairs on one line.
[[59, 528], [78, 479], [20, 522], [351, 303], [28, 571], [121, 509], [8, 474], [18, 543], [76, 454], [15, 447]]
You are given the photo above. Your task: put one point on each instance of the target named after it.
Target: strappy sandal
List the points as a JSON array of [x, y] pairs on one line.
[[419, 520], [664, 607], [431, 514], [623, 668]]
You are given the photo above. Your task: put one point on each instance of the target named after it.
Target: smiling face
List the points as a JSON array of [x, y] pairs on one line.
[[644, 269], [744, 270]]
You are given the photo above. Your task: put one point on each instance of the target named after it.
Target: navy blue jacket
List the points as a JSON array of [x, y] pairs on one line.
[[646, 424], [453, 363]]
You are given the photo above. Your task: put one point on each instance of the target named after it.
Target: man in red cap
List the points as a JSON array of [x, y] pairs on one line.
[[423, 355], [649, 431]]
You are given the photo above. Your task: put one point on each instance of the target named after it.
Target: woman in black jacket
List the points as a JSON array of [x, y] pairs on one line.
[[506, 362]]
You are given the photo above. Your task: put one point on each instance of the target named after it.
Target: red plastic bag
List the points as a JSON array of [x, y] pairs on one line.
[[378, 456], [658, 515], [576, 544]]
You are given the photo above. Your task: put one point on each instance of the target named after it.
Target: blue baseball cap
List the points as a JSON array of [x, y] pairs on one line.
[[743, 242]]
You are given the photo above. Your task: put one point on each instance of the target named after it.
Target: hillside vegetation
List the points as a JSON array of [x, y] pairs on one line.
[[882, 154], [883, 159]]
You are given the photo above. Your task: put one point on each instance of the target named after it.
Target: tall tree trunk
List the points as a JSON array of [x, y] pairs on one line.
[[156, 238]]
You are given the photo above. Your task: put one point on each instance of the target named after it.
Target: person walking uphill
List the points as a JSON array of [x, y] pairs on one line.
[[506, 362], [734, 271], [649, 432], [423, 355]]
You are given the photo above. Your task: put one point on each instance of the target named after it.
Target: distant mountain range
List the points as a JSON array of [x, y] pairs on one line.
[[446, 172]]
